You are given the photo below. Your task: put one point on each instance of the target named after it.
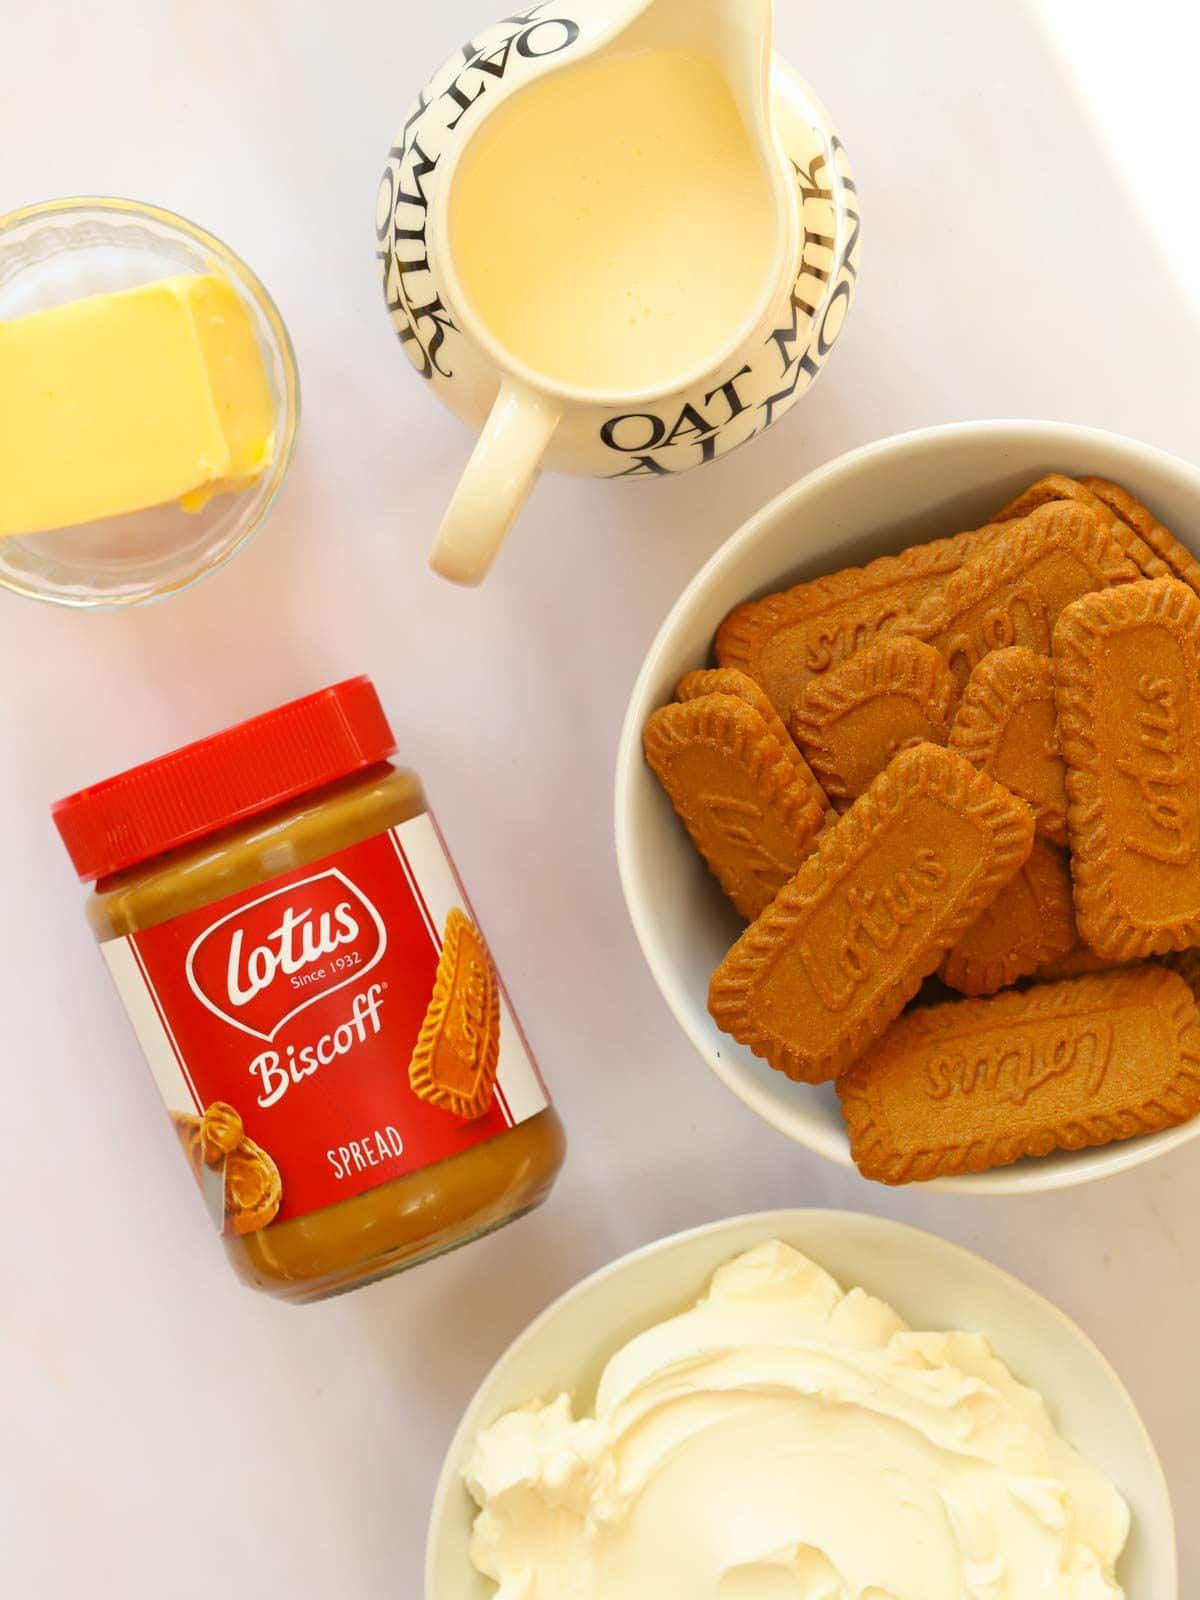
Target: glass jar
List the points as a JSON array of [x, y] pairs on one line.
[[314, 996]]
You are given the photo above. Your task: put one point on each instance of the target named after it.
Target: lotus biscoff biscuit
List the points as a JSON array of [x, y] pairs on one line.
[[1177, 559], [1154, 551], [851, 721], [1127, 681], [890, 887], [1053, 486], [784, 640], [1064, 1066], [1005, 725], [728, 680], [1013, 591], [1187, 964], [751, 814], [1078, 961], [457, 1053], [1058, 486], [1027, 925]]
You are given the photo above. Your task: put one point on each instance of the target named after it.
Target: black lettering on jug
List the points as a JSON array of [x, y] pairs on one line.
[[570, 32], [729, 389], [643, 467], [528, 34], [786, 337], [811, 186], [427, 327], [824, 343], [689, 422], [653, 439], [805, 368]]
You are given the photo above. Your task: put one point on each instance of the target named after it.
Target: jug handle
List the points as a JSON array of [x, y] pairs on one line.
[[501, 472]]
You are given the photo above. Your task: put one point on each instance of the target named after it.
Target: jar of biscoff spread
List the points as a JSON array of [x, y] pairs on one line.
[[314, 996]]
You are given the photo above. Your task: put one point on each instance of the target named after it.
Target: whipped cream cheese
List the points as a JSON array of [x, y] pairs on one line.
[[785, 1440]]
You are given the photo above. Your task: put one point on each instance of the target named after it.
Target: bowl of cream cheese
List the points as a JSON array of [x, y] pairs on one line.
[[802, 1405]]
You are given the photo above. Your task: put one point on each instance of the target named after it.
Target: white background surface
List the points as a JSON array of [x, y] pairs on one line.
[[163, 1430]]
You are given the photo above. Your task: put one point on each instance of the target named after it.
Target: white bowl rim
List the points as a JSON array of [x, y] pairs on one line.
[[778, 1224], [1026, 1177]]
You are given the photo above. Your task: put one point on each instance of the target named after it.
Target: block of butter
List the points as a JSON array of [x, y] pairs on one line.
[[121, 401]]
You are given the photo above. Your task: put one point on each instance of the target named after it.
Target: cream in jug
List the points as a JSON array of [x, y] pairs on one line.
[[613, 224], [618, 237]]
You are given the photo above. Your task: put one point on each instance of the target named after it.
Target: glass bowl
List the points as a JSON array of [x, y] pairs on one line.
[[63, 250]]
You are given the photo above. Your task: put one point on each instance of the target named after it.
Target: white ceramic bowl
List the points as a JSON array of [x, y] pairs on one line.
[[931, 1283], [872, 502]]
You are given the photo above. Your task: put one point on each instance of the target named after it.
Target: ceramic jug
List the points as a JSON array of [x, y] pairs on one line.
[[530, 421]]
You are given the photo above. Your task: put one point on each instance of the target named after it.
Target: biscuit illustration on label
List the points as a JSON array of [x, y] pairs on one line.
[[1006, 726], [210, 1137], [728, 680], [1013, 591], [1062, 1066], [221, 1132], [786, 639], [851, 721], [1177, 560], [253, 1188], [1127, 679], [890, 888], [1029, 923], [750, 812], [457, 1054]]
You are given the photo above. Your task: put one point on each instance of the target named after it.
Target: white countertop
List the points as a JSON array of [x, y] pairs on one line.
[[165, 1429]]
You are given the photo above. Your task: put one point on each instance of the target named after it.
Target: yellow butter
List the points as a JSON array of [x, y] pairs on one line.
[[122, 401]]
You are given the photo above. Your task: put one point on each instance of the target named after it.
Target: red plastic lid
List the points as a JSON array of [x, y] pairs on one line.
[[224, 779]]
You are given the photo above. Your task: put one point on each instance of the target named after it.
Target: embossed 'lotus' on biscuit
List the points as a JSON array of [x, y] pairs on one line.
[[1127, 679], [980, 1083], [785, 640], [891, 886]]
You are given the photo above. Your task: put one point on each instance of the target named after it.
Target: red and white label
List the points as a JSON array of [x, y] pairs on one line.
[[300, 1003]]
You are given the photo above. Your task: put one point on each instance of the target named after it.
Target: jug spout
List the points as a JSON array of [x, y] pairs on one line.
[[736, 34]]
